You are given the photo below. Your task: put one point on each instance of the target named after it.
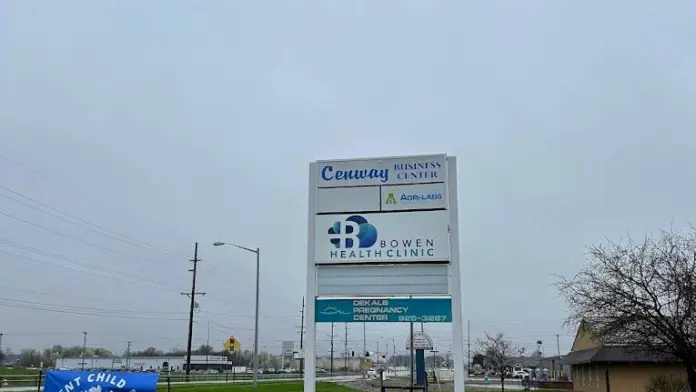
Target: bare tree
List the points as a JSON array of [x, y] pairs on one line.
[[498, 354], [642, 294]]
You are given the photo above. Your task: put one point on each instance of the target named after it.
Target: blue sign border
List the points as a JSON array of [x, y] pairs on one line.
[[104, 381], [384, 310]]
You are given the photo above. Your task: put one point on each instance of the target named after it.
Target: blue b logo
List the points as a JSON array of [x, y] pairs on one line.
[[354, 232]]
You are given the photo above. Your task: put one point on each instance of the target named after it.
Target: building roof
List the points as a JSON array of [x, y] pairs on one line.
[[587, 348], [616, 354]]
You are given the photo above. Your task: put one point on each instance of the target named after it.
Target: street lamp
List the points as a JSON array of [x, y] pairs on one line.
[[257, 251]]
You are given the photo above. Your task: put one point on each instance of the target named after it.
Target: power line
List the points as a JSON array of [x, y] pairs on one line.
[[42, 293], [81, 222], [104, 312], [30, 305], [95, 228], [68, 236], [84, 264], [82, 196], [112, 274]]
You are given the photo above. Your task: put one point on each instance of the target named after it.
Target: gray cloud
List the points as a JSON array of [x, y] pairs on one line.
[[174, 124]]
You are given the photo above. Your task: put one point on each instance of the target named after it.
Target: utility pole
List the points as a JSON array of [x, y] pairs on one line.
[[192, 296], [207, 343], [332, 350], [128, 354], [84, 350], [558, 344], [412, 361], [558, 352], [345, 350], [2, 357], [302, 337], [364, 356], [413, 370], [468, 348]]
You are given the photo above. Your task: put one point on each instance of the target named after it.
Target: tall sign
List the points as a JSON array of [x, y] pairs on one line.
[[383, 246]]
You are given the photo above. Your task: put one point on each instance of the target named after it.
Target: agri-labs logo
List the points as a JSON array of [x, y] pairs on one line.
[[354, 232], [414, 198]]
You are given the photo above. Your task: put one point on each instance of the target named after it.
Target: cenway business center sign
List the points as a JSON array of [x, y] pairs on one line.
[[388, 171]]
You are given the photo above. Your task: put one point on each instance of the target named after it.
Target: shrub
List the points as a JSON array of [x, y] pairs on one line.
[[667, 384]]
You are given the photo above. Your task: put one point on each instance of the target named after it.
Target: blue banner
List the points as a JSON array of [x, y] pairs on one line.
[[384, 310], [69, 381]]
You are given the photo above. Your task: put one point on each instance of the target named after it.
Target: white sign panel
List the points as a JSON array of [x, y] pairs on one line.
[[383, 280], [413, 197], [421, 341], [357, 199], [288, 347], [387, 238], [386, 171]]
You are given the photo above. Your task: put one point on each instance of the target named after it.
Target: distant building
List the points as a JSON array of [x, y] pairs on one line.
[[175, 363], [339, 364], [10, 359]]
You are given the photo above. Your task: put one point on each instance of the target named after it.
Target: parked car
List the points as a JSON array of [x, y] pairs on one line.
[[519, 374]]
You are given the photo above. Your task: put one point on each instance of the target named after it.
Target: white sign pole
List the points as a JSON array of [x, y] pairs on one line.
[[457, 319], [310, 356]]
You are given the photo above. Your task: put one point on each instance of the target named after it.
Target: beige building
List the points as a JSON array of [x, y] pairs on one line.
[[596, 367], [339, 364]]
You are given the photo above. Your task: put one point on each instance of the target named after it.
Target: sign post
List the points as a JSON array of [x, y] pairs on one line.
[[383, 246]]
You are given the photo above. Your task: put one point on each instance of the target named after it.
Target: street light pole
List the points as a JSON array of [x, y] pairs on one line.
[[256, 321], [257, 251]]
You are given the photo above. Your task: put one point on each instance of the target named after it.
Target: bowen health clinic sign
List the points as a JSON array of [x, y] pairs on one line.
[[383, 246]]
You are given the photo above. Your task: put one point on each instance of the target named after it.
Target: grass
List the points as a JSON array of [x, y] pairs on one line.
[[17, 371], [263, 387], [28, 377]]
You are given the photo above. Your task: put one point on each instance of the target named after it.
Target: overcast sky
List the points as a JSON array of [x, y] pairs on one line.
[[172, 122]]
